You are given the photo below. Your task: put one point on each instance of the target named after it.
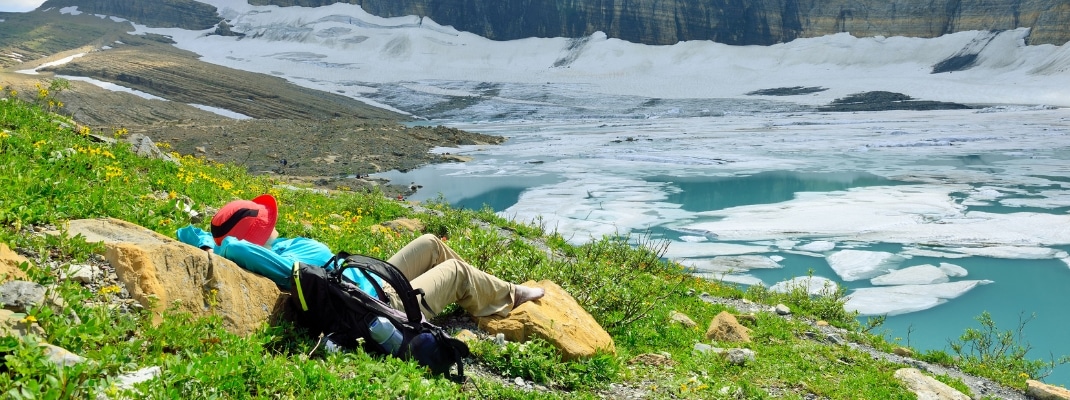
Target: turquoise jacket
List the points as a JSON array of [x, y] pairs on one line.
[[275, 264]]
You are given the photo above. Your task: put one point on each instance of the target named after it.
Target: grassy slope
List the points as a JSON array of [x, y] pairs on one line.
[[51, 172]]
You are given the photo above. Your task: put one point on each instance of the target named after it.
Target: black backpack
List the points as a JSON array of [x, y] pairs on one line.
[[328, 303]]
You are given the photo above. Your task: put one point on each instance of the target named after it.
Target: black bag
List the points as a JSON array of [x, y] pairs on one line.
[[330, 304]]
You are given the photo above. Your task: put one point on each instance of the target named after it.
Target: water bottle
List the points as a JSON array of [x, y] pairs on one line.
[[384, 333]]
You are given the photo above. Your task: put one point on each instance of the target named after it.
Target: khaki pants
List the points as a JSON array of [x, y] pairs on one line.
[[431, 265]]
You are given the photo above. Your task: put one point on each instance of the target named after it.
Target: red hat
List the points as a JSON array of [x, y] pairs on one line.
[[247, 220]]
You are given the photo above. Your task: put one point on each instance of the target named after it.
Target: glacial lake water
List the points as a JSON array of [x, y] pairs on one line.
[[1020, 288]]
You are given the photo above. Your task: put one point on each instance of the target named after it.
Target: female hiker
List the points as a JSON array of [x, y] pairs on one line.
[[243, 231]]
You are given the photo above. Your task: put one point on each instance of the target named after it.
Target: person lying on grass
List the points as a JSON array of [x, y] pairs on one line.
[[244, 231]]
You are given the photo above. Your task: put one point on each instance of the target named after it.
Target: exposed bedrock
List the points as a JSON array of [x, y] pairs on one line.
[[741, 22]]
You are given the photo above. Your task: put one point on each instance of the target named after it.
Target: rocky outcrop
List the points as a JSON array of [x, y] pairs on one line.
[[186, 14], [1042, 391], [9, 264], [164, 274], [177, 76], [739, 22], [927, 387], [556, 318], [725, 328]]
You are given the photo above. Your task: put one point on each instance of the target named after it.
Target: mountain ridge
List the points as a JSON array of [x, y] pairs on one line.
[[660, 22], [735, 22]]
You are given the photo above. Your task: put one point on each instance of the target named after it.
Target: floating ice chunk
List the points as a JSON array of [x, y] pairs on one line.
[[776, 258], [953, 270], [731, 264], [818, 246], [917, 275], [1041, 199], [895, 300], [987, 193], [916, 252], [697, 232], [708, 249], [743, 279], [852, 265], [785, 244], [694, 239], [805, 253], [1012, 252], [814, 285]]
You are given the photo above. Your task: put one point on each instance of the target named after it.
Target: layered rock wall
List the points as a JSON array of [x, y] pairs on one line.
[[186, 14], [739, 22]]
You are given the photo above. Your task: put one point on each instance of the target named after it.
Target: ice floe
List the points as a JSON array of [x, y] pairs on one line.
[[853, 265], [925, 274], [1011, 252], [894, 300], [711, 249], [730, 264], [743, 279], [817, 246], [911, 251], [814, 285], [953, 270]]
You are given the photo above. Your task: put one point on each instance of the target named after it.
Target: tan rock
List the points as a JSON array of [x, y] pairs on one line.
[[927, 387], [466, 336], [9, 265], [725, 328], [402, 225], [162, 273], [1042, 391], [903, 351], [61, 356], [682, 319], [556, 318], [16, 324]]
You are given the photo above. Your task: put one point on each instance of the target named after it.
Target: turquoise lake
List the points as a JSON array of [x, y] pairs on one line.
[[1022, 289]]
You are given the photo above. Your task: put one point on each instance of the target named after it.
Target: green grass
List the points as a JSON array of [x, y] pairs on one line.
[[51, 172]]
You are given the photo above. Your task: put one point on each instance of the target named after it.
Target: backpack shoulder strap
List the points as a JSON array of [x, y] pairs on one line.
[[389, 274]]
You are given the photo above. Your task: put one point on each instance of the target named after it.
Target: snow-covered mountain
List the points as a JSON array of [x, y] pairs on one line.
[[343, 49]]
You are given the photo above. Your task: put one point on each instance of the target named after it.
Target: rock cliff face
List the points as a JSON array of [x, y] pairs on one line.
[[739, 22], [186, 14]]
